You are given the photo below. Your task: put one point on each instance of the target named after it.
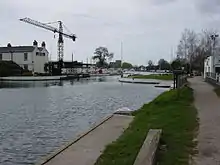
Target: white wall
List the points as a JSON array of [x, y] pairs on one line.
[[217, 60], [35, 63], [208, 65], [19, 59], [39, 61]]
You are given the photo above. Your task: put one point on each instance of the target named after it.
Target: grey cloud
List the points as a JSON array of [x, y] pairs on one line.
[[148, 28], [161, 2], [208, 6]]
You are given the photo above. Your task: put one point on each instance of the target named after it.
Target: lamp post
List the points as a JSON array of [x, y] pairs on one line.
[[121, 59], [214, 37], [213, 52]]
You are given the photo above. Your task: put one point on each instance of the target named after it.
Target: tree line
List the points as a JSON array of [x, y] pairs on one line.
[[101, 55], [194, 47]]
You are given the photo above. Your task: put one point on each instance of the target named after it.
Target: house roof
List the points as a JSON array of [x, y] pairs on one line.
[[17, 49], [40, 48]]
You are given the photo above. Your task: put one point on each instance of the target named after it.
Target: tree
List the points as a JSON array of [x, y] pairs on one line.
[[195, 47], [176, 64], [150, 63], [208, 46], [187, 45], [101, 55], [163, 64], [126, 65]]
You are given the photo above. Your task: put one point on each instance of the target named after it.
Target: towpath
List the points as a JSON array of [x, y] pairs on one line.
[[208, 106], [89, 147]]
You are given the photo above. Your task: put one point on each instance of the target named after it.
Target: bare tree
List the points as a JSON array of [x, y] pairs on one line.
[[187, 45], [195, 47]]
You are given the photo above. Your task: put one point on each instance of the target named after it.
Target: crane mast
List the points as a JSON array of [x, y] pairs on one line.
[[60, 43]]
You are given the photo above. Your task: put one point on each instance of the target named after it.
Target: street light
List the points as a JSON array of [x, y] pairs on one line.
[[213, 52], [213, 37]]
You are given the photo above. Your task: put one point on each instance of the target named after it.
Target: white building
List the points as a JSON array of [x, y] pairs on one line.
[[30, 58], [208, 66], [212, 66]]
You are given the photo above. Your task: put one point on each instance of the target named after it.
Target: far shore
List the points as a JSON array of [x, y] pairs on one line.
[[153, 76]]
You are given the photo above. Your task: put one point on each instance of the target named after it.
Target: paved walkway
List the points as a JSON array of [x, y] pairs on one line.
[[87, 150], [208, 105]]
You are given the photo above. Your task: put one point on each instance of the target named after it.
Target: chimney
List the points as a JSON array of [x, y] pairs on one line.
[[43, 44], [35, 43], [9, 45]]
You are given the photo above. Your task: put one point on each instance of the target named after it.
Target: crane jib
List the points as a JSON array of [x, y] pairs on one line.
[[47, 27], [55, 30]]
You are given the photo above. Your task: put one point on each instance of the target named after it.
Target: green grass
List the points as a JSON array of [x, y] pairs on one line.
[[217, 91], [155, 76], [172, 112]]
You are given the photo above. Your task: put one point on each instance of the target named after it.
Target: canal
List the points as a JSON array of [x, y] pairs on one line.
[[36, 118]]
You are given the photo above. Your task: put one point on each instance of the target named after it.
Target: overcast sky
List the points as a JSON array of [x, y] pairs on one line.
[[149, 29]]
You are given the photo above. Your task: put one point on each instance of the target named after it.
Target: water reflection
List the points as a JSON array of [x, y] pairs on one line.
[[33, 84], [29, 84], [36, 118]]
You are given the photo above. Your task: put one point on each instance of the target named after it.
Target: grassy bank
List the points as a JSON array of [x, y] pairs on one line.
[[217, 91], [155, 76], [175, 115]]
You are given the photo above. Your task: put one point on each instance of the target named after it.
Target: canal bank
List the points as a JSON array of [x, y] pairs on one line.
[[44, 78], [36, 118], [86, 149], [172, 112], [49, 78], [157, 83]]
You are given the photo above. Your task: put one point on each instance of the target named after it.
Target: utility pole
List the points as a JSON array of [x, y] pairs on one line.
[[121, 53], [121, 58], [87, 62], [72, 64]]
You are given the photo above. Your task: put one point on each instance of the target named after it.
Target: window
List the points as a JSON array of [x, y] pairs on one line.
[[37, 53], [43, 54], [25, 56], [0, 56], [25, 66]]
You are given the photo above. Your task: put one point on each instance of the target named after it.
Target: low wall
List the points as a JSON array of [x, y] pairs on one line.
[[147, 153], [31, 78], [212, 81], [139, 81]]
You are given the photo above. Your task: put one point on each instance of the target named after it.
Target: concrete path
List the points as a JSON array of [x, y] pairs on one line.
[[208, 105], [87, 150]]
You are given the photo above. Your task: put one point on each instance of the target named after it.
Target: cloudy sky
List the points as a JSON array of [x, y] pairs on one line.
[[149, 29]]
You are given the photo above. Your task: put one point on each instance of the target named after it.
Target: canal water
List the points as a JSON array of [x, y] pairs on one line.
[[37, 118]]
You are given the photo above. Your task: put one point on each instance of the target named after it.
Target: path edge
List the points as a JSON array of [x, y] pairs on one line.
[[67, 145]]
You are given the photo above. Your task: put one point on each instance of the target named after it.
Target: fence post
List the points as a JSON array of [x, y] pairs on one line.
[[178, 78]]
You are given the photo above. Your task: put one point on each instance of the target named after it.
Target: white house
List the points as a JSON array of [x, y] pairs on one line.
[[212, 66], [208, 65], [31, 58]]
